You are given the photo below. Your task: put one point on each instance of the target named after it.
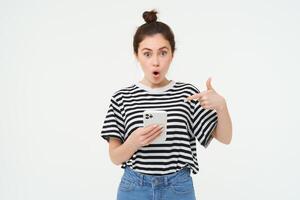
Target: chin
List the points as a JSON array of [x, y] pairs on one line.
[[157, 81]]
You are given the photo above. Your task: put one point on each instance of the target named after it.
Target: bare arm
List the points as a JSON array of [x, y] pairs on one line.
[[120, 153], [210, 99], [223, 131]]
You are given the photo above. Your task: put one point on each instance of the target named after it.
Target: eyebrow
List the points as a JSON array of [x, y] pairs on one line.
[[158, 49]]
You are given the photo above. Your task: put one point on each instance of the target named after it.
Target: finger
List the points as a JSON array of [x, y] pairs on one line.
[[206, 105], [203, 103], [152, 137], [149, 128], [208, 84], [153, 131], [195, 96], [209, 107]]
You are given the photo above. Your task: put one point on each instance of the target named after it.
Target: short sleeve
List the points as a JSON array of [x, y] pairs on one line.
[[113, 125], [204, 123]]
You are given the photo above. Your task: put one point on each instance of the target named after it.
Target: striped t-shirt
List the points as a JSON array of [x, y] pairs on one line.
[[187, 122]]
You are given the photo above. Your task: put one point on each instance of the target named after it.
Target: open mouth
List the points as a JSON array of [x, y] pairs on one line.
[[156, 73]]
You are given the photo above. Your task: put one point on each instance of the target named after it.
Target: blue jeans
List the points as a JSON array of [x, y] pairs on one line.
[[138, 186]]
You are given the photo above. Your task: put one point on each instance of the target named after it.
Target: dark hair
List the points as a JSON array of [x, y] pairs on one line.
[[151, 27]]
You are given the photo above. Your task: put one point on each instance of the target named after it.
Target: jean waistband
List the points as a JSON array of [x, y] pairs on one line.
[[146, 179]]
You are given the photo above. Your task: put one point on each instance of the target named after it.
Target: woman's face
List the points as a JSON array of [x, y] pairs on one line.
[[154, 56]]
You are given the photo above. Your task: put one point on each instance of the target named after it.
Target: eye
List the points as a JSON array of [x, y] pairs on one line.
[[163, 53], [147, 54]]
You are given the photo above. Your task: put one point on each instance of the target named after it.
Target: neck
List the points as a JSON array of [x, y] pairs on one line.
[[155, 85]]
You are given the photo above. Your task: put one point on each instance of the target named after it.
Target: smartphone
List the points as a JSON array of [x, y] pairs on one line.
[[156, 117]]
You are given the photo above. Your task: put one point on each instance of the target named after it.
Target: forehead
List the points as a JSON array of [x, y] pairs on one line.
[[154, 42]]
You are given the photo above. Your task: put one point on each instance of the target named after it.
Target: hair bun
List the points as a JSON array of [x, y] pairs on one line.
[[150, 16]]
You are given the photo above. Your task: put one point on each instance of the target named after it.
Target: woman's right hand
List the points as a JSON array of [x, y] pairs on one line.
[[143, 136]]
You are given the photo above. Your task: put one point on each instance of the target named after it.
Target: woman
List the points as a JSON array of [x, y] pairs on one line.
[[161, 171]]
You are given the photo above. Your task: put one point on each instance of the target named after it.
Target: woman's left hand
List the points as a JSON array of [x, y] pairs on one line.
[[209, 99]]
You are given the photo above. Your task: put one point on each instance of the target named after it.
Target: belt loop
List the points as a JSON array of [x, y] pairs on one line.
[[141, 179], [166, 180]]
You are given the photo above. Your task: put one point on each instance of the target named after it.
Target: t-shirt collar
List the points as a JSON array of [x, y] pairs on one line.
[[158, 89]]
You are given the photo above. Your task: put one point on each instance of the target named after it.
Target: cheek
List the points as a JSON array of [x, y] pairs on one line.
[[145, 65], [146, 69], [166, 64]]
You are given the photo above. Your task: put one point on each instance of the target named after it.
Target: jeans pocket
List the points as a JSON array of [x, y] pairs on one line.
[[126, 185], [183, 185]]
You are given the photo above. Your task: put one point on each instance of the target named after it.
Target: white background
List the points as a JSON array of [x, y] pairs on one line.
[[60, 62]]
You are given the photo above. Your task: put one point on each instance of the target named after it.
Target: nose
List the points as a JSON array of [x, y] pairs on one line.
[[155, 61]]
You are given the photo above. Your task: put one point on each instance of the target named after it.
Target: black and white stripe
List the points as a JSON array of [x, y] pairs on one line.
[[187, 122]]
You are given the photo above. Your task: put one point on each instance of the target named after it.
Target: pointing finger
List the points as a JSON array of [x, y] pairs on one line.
[[195, 96]]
